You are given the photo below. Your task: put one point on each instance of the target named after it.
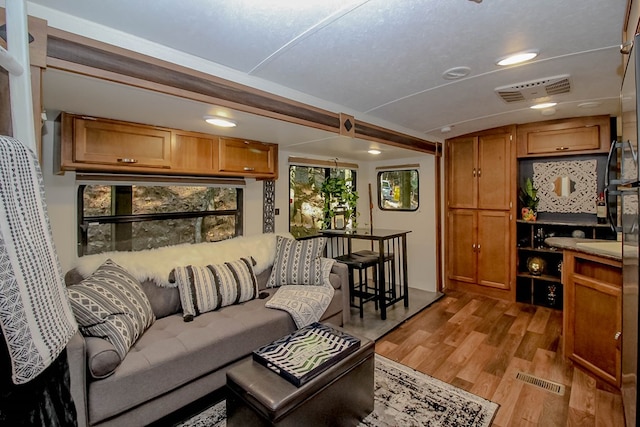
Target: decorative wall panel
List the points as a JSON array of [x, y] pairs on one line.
[[566, 186]]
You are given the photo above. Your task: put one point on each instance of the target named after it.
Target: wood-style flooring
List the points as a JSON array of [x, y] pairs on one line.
[[479, 344]]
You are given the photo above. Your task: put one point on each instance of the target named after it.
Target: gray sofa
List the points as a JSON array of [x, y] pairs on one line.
[[176, 362]]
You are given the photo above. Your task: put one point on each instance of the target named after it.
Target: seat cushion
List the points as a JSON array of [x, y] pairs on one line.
[[172, 353]]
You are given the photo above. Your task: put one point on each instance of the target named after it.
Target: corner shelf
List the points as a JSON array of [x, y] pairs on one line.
[[546, 289]]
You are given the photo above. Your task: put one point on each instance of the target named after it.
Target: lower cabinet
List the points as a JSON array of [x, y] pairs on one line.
[[593, 313], [479, 248]]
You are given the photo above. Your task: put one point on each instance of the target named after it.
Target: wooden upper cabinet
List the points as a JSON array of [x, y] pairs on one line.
[[193, 152], [117, 144], [479, 171], [92, 144], [461, 172], [581, 135], [248, 158]]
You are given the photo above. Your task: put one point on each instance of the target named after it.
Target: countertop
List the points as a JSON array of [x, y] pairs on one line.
[[611, 249]]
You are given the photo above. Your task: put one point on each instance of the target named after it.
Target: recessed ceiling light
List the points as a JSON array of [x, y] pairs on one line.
[[375, 152], [548, 111], [517, 58], [544, 105], [445, 129], [456, 73], [220, 121]]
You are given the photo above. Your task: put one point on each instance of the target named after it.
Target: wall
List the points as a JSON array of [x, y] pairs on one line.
[[421, 252]]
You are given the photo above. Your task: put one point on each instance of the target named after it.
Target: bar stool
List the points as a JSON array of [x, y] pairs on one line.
[[361, 261], [360, 291], [390, 258]]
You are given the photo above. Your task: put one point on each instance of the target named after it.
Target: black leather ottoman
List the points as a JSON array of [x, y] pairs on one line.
[[340, 396]]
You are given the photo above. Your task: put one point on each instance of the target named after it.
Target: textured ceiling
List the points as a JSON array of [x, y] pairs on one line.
[[379, 60]]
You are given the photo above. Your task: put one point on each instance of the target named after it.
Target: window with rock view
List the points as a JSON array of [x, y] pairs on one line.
[[137, 217]]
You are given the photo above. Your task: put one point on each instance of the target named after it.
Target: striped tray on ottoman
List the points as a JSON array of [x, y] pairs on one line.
[[304, 354]]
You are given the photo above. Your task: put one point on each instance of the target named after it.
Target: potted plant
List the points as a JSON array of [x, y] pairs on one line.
[[529, 199], [339, 202]]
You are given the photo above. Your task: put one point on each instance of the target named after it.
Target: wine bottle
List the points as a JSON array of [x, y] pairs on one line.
[[601, 210]]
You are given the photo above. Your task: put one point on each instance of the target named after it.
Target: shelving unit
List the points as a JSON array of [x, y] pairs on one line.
[[545, 289]]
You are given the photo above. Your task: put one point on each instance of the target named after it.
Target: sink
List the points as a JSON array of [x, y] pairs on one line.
[[607, 247]]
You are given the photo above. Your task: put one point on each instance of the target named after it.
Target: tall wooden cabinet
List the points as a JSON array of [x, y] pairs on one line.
[[480, 212]]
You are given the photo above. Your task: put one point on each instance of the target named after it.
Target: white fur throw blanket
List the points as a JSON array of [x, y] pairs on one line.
[[35, 314], [156, 264]]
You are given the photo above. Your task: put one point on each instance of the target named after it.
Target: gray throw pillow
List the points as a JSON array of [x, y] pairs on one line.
[[110, 304], [209, 288], [297, 262]]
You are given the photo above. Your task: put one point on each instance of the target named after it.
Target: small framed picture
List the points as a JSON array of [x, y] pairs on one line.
[[338, 222]]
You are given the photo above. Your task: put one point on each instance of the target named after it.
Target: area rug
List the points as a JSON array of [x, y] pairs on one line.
[[403, 397]]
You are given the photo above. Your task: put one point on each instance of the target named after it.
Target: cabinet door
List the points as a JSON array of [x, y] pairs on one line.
[[581, 135], [494, 171], [493, 249], [113, 143], [247, 157], [461, 172], [193, 152], [593, 296], [596, 347], [461, 245]]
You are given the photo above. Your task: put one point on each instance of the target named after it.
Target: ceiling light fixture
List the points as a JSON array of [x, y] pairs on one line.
[[374, 152], [544, 105], [220, 121], [517, 58]]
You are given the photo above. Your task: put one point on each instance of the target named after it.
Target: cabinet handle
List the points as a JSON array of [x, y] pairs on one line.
[[474, 172], [473, 247], [562, 148], [248, 169], [478, 247], [127, 160], [617, 335], [479, 173]]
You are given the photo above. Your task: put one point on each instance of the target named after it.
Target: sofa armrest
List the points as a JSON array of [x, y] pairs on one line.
[[77, 358], [343, 272]]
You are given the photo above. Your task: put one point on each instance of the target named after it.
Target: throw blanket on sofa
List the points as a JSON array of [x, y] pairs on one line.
[[305, 303], [35, 315]]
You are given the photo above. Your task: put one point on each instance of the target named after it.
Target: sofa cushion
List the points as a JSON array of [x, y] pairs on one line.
[[297, 262], [110, 304], [102, 357], [204, 289], [173, 353]]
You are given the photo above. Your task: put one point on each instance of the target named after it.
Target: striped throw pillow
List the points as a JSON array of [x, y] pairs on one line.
[[209, 288], [111, 304], [297, 262]]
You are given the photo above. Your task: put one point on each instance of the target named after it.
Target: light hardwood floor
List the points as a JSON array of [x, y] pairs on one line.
[[479, 344]]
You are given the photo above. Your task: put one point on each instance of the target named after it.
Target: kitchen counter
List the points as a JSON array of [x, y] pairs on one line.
[[610, 249]]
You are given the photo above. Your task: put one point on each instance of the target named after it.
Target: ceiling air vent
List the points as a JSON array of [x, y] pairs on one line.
[[534, 89]]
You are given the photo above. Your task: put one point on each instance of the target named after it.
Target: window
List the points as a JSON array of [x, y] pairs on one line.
[[137, 217], [306, 204], [398, 190]]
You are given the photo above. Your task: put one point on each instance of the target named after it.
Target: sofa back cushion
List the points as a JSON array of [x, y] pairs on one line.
[[209, 288]]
